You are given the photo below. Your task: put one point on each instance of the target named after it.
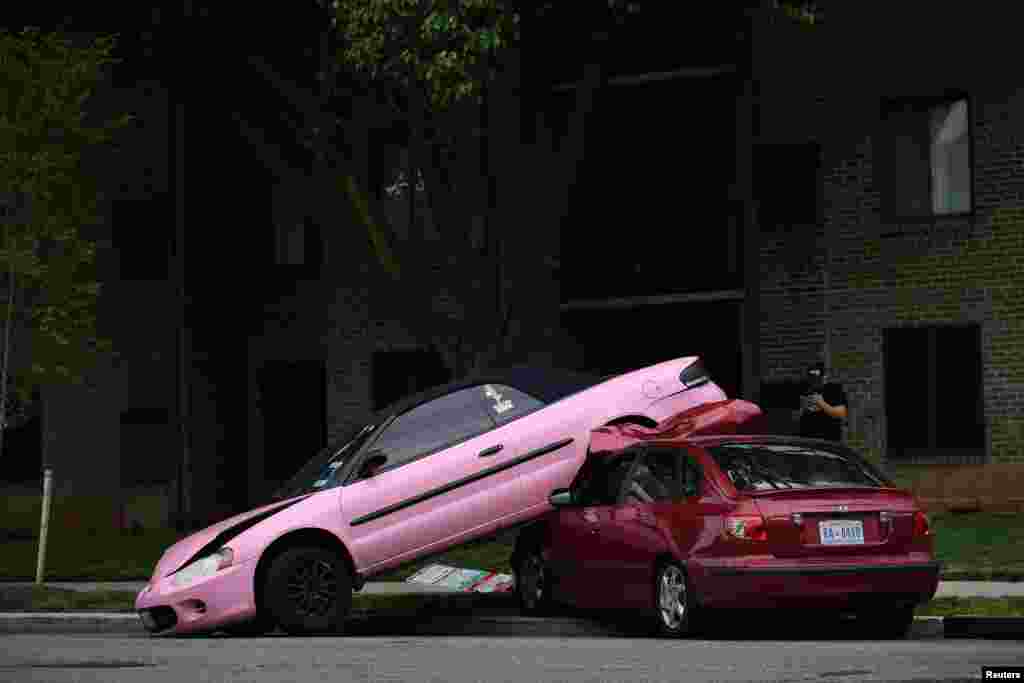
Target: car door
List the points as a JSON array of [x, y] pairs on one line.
[[443, 480], [633, 534], [575, 541], [548, 440]]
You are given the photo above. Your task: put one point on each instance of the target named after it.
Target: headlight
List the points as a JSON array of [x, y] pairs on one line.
[[207, 566]]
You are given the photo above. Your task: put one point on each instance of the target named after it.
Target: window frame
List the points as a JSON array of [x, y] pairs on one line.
[[906, 455], [922, 106], [368, 448]]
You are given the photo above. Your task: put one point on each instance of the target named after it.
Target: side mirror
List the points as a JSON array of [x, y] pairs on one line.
[[561, 498], [373, 464]]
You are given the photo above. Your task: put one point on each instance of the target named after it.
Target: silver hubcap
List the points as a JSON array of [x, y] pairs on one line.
[[672, 597], [531, 580]]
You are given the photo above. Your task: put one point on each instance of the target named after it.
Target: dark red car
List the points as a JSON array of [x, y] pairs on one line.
[[672, 524]]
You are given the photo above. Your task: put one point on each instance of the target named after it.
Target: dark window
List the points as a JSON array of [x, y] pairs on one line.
[[766, 467], [655, 479], [432, 426], [602, 479], [933, 393], [300, 247], [922, 162], [397, 374], [505, 404], [142, 230], [787, 184]]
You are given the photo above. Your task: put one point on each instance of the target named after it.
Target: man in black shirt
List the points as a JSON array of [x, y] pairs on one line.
[[824, 407]]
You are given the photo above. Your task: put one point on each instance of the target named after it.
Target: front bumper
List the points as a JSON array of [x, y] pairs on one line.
[[210, 603], [832, 584]]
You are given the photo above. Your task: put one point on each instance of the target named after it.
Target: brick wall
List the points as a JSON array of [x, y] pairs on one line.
[[828, 291]]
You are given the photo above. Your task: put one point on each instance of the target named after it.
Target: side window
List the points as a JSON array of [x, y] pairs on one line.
[[433, 426], [505, 404], [655, 479], [603, 481]]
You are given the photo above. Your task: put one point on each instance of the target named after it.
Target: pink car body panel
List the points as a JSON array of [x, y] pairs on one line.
[[427, 505]]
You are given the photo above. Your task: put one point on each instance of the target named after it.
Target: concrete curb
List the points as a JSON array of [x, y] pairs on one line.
[[479, 623]]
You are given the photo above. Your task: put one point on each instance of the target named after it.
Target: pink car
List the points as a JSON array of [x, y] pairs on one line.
[[455, 464]]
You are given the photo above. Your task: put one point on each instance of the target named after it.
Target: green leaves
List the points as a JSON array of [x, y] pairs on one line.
[[47, 81], [438, 45]]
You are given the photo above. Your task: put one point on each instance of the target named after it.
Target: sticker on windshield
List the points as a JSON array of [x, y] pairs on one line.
[[500, 405], [319, 483]]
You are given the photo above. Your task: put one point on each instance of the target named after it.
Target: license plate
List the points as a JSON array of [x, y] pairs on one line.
[[842, 532]]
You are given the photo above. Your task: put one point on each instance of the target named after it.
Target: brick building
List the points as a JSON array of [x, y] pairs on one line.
[[907, 279], [889, 252]]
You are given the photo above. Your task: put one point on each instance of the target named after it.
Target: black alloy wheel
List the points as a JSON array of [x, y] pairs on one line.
[[308, 590]]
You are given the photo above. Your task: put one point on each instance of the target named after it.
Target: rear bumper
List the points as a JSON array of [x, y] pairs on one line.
[[820, 584]]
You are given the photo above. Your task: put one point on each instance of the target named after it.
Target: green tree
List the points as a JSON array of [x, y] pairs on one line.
[[49, 199]]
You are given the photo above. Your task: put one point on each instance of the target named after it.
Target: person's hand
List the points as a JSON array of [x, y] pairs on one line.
[[819, 402]]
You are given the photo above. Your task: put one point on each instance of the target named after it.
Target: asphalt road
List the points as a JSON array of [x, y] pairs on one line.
[[113, 659]]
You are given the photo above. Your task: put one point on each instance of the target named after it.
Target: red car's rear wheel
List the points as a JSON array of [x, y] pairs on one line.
[[675, 605], [533, 583]]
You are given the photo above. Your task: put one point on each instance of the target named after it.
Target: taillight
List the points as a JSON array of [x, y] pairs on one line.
[[921, 525], [746, 528]]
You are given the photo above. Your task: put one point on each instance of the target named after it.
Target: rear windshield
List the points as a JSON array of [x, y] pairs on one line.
[[766, 467]]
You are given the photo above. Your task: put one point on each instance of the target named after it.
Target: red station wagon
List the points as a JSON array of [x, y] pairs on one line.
[[672, 523]]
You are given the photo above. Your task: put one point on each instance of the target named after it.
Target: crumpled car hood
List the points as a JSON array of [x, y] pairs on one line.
[[733, 416], [201, 543]]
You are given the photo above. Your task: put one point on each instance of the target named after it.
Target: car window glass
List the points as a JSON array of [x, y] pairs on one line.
[[654, 479], [504, 404], [604, 482], [432, 426], [693, 475], [616, 477], [782, 466]]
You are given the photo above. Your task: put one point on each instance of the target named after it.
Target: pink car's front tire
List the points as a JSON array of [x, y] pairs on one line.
[[308, 590]]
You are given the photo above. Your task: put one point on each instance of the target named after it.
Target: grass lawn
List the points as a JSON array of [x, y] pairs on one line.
[[977, 607], [980, 546], [491, 556]]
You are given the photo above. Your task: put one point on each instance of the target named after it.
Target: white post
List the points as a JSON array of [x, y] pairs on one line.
[[44, 523]]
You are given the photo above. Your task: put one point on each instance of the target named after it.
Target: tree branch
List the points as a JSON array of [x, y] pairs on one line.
[[268, 151]]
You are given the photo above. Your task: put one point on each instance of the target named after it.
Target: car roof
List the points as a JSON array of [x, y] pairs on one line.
[[545, 383]]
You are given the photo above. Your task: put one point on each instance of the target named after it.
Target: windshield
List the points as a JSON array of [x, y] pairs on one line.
[[320, 472], [761, 467]]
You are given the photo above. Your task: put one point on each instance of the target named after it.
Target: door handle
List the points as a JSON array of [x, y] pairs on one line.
[[595, 529], [490, 451]]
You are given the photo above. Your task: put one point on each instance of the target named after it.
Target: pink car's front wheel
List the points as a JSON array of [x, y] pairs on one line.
[[308, 590]]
